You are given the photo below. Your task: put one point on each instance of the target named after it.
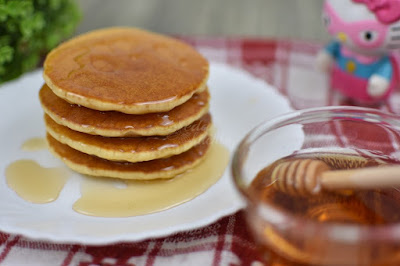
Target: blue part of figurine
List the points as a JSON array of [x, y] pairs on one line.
[[382, 67]]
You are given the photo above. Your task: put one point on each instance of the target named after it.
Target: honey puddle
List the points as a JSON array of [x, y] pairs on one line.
[[35, 183], [106, 197], [34, 144], [110, 198]]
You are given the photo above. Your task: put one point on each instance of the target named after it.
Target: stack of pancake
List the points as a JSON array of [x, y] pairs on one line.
[[126, 103]]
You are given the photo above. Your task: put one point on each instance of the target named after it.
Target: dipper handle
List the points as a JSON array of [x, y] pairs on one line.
[[307, 176]]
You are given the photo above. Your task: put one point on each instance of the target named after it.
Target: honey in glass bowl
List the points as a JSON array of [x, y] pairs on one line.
[[348, 207], [336, 227]]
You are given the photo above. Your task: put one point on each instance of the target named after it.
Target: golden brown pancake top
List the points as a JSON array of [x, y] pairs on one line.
[[125, 69], [154, 166], [112, 123]]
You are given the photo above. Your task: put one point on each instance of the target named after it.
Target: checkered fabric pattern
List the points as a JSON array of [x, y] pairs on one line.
[[288, 66]]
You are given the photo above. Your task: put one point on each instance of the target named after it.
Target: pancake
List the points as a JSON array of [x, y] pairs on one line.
[[125, 69], [117, 124], [156, 169], [133, 149]]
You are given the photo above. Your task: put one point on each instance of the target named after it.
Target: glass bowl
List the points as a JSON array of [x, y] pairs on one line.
[[308, 229]]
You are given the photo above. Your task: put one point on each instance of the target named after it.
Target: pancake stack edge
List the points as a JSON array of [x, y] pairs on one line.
[[127, 103]]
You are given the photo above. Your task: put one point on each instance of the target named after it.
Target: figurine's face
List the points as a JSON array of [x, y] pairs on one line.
[[356, 27]]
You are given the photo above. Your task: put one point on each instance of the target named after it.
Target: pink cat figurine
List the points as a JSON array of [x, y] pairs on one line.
[[360, 57]]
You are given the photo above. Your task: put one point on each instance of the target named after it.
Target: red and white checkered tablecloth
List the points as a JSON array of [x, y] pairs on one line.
[[287, 65]]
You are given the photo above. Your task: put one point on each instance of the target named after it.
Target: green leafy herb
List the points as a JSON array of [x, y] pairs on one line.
[[31, 28]]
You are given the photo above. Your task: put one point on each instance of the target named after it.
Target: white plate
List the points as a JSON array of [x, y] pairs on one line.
[[239, 102]]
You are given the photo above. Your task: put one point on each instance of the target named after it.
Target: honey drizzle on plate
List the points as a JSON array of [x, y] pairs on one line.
[[104, 197], [34, 144], [109, 198], [35, 183]]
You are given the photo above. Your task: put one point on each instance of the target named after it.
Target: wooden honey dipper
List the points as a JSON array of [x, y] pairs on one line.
[[307, 176]]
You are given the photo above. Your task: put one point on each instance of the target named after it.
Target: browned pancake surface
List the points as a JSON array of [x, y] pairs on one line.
[[125, 69], [132, 149], [161, 168], [117, 124]]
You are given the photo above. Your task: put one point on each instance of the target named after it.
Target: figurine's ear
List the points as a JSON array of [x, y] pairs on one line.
[[386, 11]]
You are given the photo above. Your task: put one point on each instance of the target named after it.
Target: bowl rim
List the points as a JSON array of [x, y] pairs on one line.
[[340, 231]]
